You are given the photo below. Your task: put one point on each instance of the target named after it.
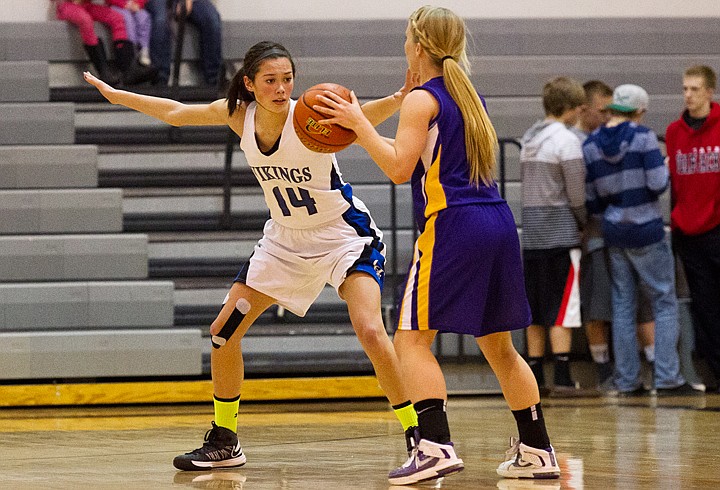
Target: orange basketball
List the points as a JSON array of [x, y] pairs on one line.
[[321, 138]]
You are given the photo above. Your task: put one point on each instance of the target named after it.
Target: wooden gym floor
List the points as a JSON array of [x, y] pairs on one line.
[[602, 443]]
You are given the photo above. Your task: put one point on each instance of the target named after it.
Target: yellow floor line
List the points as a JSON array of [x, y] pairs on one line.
[[186, 391]]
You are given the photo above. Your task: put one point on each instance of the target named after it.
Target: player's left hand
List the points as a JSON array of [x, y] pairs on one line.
[[412, 80]]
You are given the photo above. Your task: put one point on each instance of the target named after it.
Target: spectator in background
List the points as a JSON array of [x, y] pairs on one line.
[[594, 274], [200, 13], [693, 149], [553, 213], [625, 176], [595, 285], [83, 14], [593, 114], [137, 25]]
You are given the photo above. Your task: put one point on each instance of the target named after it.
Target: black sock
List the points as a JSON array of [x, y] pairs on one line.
[[562, 370], [604, 371], [531, 427], [432, 420], [536, 364]]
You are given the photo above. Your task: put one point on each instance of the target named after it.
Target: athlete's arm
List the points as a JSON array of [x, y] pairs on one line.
[[167, 110]]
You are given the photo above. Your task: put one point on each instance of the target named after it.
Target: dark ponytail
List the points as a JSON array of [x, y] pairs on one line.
[[237, 92]]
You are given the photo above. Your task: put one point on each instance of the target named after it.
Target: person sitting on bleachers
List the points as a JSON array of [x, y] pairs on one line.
[[137, 24], [83, 14], [200, 13]]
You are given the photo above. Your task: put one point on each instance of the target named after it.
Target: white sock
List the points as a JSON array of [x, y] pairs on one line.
[[144, 57], [649, 353], [600, 353]]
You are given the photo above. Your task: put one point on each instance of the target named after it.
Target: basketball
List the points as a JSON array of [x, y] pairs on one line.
[[321, 138]]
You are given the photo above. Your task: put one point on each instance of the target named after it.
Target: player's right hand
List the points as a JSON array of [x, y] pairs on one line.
[[93, 80]]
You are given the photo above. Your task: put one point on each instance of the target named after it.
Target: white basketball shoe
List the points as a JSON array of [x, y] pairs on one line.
[[523, 461]]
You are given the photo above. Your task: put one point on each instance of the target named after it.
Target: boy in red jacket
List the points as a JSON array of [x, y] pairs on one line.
[[693, 149]]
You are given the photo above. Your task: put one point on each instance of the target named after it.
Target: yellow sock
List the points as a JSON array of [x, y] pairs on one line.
[[406, 414], [226, 412]]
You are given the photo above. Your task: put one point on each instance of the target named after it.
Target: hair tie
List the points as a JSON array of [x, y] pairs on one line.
[[446, 58]]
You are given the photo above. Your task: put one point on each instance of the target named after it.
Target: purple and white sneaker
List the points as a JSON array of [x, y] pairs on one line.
[[429, 460], [523, 461]]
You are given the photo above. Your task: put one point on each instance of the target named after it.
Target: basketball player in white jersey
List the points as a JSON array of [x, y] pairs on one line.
[[318, 233]]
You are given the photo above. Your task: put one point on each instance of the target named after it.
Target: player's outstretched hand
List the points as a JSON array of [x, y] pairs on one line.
[[106, 90]]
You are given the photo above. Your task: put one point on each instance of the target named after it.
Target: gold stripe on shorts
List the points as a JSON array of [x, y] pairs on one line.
[[426, 245]]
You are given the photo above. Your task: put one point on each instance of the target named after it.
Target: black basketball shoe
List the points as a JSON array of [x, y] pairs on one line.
[[221, 450]]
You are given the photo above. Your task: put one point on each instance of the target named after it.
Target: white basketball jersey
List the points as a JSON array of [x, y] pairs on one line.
[[303, 189]]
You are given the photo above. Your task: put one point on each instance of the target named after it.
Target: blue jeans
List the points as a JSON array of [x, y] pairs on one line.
[[205, 17], [652, 268]]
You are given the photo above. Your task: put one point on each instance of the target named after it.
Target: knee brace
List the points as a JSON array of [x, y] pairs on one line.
[[242, 307]]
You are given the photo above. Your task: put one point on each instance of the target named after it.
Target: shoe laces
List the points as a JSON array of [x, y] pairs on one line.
[[514, 451], [211, 439], [210, 434], [412, 458], [412, 438]]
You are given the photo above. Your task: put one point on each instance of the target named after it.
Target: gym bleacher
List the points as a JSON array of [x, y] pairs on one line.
[[120, 235]]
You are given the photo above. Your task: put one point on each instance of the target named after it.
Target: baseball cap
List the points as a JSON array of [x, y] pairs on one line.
[[629, 98]]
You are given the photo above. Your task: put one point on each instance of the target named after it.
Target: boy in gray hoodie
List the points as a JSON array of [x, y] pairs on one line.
[[553, 213]]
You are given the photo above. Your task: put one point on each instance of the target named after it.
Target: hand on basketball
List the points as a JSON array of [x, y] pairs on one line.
[[340, 111]]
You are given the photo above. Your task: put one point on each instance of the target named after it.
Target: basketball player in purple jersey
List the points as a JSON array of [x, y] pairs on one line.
[[466, 275]]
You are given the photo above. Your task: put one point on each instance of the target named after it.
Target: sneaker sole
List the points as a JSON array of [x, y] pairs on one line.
[[429, 474], [190, 465], [529, 475]]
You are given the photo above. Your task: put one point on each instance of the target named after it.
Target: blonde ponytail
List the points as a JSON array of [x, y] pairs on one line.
[[442, 34], [480, 136]]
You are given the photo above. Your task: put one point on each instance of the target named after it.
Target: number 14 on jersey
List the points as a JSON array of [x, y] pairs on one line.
[[303, 201]]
